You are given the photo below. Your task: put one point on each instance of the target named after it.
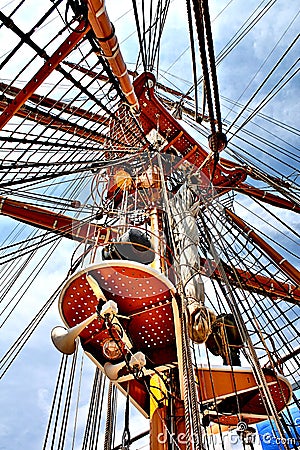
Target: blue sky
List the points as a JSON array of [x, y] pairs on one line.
[[27, 388]]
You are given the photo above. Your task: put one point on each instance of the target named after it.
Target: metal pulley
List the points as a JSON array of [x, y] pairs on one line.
[[217, 141]]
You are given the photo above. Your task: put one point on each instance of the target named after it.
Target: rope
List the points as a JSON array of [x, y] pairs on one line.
[[212, 63], [66, 411], [257, 370], [141, 40], [18, 345], [77, 403], [194, 65], [25, 37], [265, 61], [240, 34], [108, 423], [198, 13], [90, 440], [262, 84], [126, 433], [59, 403], [161, 16], [192, 415], [61, 371]]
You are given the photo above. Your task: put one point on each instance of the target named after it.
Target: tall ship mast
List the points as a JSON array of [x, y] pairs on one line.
[[149, 224]]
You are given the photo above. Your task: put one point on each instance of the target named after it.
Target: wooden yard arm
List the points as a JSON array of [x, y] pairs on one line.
[[78, 230], [267, 197], [278, 259], [53, 104], [57, 123], [252, 282], [42, 74]]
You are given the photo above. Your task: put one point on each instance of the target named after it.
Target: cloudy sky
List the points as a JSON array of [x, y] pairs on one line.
[[27, 388]]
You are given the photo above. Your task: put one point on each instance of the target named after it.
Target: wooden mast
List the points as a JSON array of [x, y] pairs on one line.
[[167, 412]]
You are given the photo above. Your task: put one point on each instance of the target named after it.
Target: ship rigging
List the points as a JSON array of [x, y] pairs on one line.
[[158, 216]]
